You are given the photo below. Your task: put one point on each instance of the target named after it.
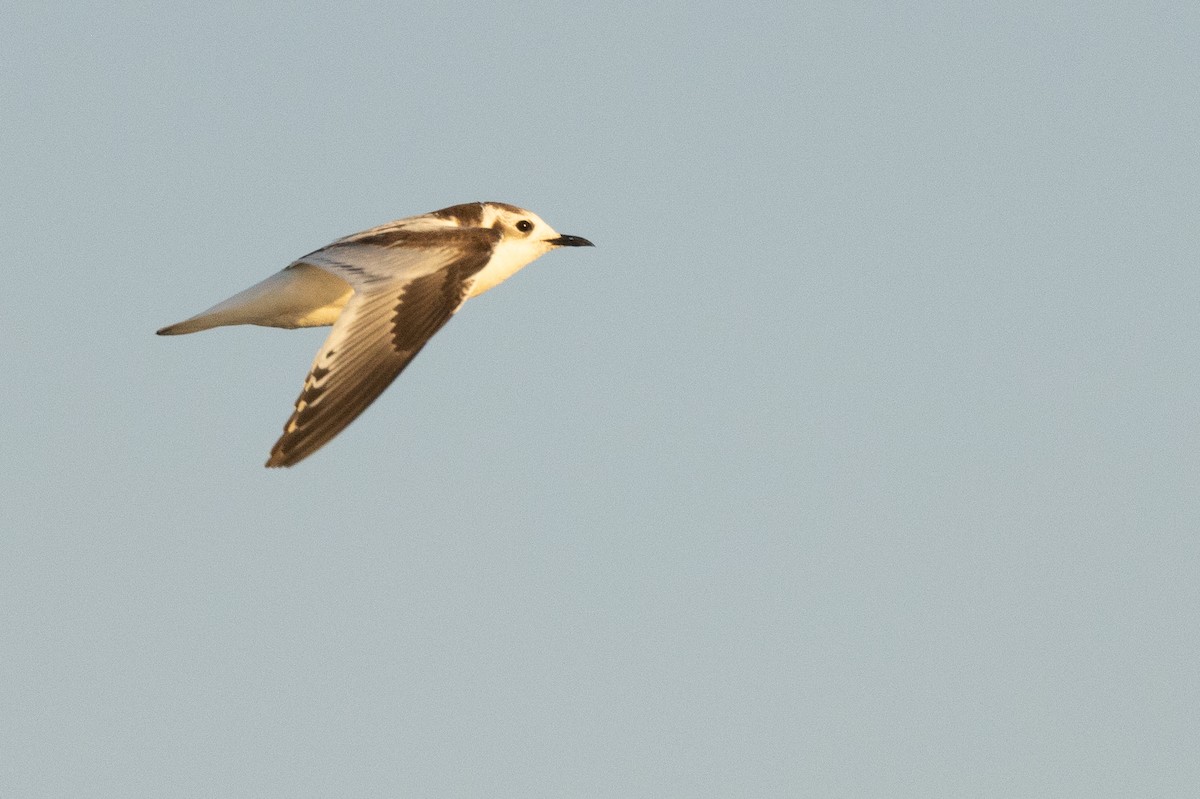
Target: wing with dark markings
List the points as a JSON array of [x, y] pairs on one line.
[[382, 328]]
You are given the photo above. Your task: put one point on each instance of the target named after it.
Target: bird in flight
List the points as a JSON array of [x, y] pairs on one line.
[[386, 291]]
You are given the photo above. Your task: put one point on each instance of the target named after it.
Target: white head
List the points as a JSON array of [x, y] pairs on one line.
[[524, 237], [525, 229]]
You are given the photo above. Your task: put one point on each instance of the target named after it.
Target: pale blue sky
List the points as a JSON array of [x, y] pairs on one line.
[[859, 458]]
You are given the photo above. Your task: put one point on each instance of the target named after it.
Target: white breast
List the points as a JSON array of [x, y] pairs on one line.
[[508, 259]]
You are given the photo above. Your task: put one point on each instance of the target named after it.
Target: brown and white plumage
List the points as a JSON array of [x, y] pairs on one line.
[[386, 291]]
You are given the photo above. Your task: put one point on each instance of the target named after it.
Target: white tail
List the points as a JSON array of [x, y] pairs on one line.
[[300, 296]]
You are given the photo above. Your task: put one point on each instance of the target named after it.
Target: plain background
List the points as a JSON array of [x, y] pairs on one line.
[[859, 458]]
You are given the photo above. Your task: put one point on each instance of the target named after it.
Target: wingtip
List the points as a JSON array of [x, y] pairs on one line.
[[277, 461], [283, 459]]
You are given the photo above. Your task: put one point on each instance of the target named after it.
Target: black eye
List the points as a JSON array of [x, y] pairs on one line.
[[524, 226]]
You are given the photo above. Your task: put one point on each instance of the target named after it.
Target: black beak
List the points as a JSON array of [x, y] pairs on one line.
[[570, 241]]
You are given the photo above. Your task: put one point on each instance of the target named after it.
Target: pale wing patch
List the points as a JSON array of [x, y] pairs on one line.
[[417, 224], [380, 255], [367, 266]]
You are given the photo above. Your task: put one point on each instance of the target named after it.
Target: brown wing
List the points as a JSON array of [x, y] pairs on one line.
[[380, 330]]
